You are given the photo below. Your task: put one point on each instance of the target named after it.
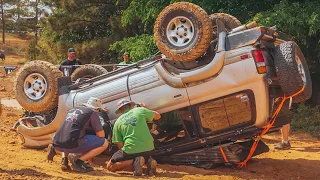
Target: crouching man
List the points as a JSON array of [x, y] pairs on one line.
[[71, 138], [132, 136]]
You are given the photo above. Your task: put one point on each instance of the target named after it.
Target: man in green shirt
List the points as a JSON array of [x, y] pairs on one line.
[[126, 60], [132, 136]]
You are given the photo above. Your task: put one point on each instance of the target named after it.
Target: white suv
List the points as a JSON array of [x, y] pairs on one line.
[[218, 86]]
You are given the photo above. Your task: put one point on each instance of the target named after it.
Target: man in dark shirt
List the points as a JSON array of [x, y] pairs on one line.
[[71, 136], [70, 64]]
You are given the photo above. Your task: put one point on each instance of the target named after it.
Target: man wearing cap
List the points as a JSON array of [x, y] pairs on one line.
[[71, 136], [126, 60], [132, 136], [69, 65]]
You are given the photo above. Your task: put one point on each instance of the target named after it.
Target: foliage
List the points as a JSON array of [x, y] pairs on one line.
[[139, 46], [307, 119], [146, 11], [302, 22]]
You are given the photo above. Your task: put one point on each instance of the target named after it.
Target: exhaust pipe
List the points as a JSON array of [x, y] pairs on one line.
[[211, 69]]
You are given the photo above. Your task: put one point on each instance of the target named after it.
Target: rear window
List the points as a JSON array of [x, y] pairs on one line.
[[226, 113]]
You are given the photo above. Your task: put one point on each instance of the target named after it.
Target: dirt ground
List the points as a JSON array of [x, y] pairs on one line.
[[17, 162], [301, 162]]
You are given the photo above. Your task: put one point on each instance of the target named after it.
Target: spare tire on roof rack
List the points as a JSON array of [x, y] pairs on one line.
[[183, 31]]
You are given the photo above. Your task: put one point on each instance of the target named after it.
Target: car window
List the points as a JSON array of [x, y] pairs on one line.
[[225, 113], [173, 127]]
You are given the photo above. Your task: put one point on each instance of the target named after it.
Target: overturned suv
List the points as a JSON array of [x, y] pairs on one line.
[[216, 86]]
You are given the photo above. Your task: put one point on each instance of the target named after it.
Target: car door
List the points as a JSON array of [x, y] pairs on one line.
[[176, 126]]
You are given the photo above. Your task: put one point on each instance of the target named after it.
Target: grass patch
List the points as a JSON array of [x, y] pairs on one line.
[[307, 119]]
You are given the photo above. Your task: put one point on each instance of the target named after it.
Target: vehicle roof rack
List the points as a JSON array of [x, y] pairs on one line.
[[137, 65]]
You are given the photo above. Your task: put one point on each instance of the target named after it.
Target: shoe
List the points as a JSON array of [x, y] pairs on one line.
[[282, 146], [51, 152], [65, 164], [81, 166], [137, 165], [72, 157], [88, 166], [151, 167]]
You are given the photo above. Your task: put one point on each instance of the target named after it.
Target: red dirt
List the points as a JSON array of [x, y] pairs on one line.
[[301, 162]]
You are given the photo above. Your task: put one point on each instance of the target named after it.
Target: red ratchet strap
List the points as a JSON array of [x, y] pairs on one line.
[[264, 131], [223, 155]]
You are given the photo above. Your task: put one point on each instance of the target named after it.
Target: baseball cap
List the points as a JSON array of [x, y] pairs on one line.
[[71, 50]]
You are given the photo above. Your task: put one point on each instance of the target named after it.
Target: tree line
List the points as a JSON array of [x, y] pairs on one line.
[[101, 30]]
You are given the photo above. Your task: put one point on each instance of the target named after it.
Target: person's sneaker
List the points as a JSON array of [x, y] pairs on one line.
[[72, 157], [65, 164], [151, 167], [282, 146], [81, 166], [51, 152], [137, 165]]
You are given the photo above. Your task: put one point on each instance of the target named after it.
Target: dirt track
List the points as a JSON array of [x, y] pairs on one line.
[[301, 162]]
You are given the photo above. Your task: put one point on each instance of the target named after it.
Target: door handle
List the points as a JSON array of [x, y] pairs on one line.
[[178, 96]]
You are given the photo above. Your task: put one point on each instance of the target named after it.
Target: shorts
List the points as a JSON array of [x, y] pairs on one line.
[[123, 156], [285, 116], [87, 143]]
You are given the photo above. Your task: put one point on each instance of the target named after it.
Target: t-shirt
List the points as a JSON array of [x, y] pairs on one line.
[[132, 130], [129, 62], [73, 127], [67, 71]]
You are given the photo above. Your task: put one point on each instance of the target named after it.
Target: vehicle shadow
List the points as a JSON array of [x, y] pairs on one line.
[[103, 159], [265, 168], [256, 169]]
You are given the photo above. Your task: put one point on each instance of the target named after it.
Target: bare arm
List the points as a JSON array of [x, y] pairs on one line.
[[156, 116], [100, 134], [120, 145]]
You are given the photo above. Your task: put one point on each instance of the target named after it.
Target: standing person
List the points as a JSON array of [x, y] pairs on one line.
[[285, 143], [126, 60], [70, 64], [285, 116], [71, 138], [132, 136]]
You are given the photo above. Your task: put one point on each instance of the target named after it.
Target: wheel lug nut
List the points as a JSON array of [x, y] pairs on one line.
[[185, 34], [185, 29]]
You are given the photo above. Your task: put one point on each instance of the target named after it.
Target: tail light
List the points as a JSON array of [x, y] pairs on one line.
[[259, 59]]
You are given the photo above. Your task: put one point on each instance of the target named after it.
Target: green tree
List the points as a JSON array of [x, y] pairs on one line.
[[90, 26], [139, 47], [301, 20]]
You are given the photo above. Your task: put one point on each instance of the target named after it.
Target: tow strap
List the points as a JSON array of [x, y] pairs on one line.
[[264, 131]]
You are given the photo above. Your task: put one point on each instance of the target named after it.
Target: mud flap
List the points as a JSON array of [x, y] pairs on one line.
[[210, 157]]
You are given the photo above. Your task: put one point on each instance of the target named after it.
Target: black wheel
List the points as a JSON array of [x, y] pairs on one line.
[[292, 71], [36, 86], [88, 72], [183, 31]]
